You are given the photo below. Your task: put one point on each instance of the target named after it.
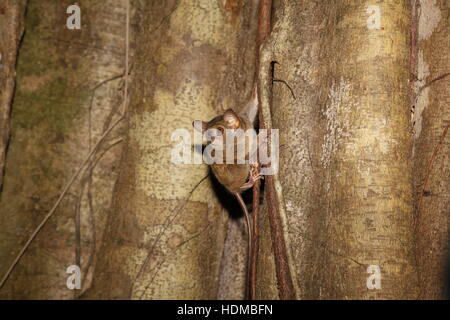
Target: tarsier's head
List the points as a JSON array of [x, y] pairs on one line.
[[217, 129], [217, 126], [230, 119], [227, 127]]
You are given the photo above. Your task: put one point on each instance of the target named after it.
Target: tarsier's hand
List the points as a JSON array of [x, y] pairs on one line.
[[254, 175]]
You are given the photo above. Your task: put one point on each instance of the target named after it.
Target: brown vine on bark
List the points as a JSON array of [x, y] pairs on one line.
[[264, 15], [284, 278]]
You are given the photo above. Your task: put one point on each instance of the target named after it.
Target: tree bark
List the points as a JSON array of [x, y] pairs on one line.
[[166, 232], [67, 95], [11, 30], [432, 148], [345, 149]]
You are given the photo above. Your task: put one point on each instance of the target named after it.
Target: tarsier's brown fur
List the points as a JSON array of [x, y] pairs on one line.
[[231, 176]]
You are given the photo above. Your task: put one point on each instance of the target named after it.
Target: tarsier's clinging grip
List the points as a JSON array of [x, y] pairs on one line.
[[234, 177]]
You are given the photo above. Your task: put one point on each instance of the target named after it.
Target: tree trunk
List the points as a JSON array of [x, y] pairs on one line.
[[166, 231], [432, 149], [11, 30], [67, 95], [345, 149]]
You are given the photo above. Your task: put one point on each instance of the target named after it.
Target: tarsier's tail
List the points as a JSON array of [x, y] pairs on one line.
[[248, 221]]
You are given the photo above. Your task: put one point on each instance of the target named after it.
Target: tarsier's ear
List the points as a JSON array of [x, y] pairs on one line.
[[231, 118], [199, 125]]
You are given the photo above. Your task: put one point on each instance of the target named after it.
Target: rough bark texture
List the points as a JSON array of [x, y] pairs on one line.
[[367, 151], [11, 30], [345, 148], [60, 110], [431, 117], [233, 265], [166, 232]]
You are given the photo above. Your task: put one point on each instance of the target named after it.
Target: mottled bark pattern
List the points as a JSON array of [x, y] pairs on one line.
[[57, 117], [432, 116], [11, 30], [166, 232], [345, 147]]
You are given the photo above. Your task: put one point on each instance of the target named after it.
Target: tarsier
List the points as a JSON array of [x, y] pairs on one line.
[[235, 177]]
